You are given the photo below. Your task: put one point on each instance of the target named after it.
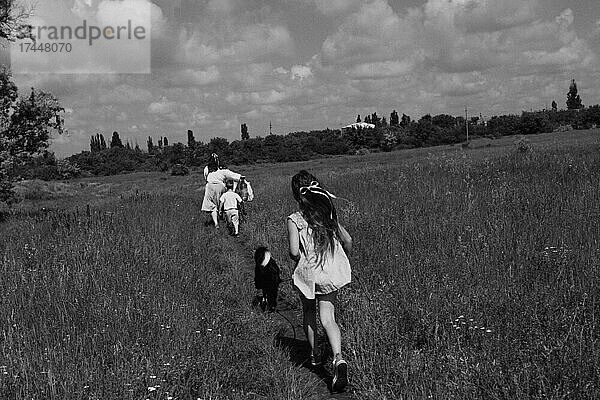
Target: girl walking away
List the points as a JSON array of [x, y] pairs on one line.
[[215, 177], [318, 244]]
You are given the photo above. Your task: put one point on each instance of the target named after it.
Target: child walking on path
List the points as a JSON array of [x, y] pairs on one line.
[[228, 203], [318, 243]]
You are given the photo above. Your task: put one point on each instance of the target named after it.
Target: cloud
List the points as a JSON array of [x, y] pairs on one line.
[[382, 69], [124, 94], [336, 7], [221, 6], [301, 72], [244, 45], [481, 15], [457, 85], [251, 75], [162, 107], [268, 97], [360, 38], [195, 77]]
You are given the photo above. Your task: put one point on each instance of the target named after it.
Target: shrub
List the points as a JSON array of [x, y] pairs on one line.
[[523, 145]]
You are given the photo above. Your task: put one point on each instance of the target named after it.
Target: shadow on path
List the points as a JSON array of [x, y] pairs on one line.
[[291, 338]]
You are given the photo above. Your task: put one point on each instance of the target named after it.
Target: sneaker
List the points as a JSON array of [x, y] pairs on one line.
[[315, 360], [263, 304], [340, 375]]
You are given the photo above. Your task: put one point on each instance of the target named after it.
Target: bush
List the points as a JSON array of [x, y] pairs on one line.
[[67, 170], [523, 145]]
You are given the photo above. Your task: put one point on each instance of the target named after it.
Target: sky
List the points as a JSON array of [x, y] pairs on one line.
[[313, 64]]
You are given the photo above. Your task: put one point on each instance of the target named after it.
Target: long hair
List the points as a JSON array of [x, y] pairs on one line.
[[318, 209], [213, 163]]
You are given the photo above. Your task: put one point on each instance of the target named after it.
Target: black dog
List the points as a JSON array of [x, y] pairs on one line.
[[267, 277]]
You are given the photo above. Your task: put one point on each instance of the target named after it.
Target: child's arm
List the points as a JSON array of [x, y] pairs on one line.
[[345, 239], [231, 175], [294, 240]]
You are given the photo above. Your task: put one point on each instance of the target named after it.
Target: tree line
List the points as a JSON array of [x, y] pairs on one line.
[[398, 133], [115, 158], [28, 122]]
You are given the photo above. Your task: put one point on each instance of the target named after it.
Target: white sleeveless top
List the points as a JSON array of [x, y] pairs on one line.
[[316, 274]]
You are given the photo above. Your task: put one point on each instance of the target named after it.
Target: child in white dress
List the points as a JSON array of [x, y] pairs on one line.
[[318, 243]]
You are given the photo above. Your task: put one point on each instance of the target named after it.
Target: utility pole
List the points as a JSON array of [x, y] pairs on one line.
[[467, 122], [270, 128]]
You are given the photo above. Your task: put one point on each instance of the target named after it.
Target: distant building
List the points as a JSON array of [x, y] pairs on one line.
[[358, 126], [483, 120]]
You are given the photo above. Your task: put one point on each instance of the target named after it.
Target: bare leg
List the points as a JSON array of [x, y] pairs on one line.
[[215, 218], [309, 322], [327, 314], [235, 219]]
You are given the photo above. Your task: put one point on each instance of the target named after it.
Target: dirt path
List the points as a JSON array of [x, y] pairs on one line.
[[291, 336]]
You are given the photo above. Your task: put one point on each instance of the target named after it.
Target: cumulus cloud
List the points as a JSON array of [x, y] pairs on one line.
[[162, 107], [251, 75], [247, 44], [481, 15], [374, 32], [221, 6], [124, 94], [195, 77], [381, 70], [336, 7], [301, 72]]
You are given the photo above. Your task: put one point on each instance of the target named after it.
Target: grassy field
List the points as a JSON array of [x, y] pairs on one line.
[[476, 275]]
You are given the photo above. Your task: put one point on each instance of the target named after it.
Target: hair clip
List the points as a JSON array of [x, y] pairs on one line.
[[315, 187]]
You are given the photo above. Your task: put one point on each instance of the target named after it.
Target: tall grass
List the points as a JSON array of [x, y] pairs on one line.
[[474, 277], [132, 301]]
